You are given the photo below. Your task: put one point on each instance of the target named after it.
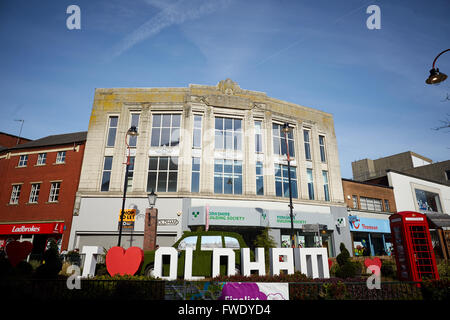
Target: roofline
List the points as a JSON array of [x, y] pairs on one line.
[[368, 183], [416, 177]]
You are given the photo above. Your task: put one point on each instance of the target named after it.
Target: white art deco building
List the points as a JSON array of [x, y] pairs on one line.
[[217, 157]]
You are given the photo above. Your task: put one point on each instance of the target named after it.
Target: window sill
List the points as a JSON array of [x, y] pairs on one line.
[[20, 167], [58, 163], [31, 203], [12, 204], [52, 202], [40, 165]]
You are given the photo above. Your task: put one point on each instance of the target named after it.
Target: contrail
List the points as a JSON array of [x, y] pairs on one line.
[[175, 14]]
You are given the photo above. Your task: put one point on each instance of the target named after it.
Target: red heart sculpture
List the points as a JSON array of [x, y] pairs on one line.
[[120, 261], [373, 262], [18, 251]]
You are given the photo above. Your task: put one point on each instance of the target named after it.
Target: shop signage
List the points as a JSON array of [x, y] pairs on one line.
[[361, 224], [32, 228], [129, 216], [167, 222]]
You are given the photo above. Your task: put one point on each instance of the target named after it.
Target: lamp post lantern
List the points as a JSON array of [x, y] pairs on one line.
[[286, 130], [435, 75], [131, 132]]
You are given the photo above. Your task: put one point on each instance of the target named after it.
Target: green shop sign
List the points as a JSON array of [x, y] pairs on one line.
[[219, 215], [287, 219]]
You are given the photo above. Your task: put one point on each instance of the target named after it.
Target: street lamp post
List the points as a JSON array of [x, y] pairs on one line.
[[436, 76], [131, 132], [286, 130]]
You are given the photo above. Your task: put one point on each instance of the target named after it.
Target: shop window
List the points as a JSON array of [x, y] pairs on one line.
[[112, 130], [23, 160], [34, 193], [428, 201], [259, 178], [42, 159], [162, 174], [165, 130], [197, 133], [15, 194], [228, 134], [279, 141], [227, 176], [106, 174], [282, 181], [132, 140], [195, 182]]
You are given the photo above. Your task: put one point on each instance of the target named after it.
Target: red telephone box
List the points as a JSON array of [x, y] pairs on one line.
[[412, 246]]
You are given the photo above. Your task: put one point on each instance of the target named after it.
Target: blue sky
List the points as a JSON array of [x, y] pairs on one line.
[[317, 53]]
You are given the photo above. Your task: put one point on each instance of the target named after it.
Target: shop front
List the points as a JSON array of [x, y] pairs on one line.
[[370, 236], [39, 234], [311, 229]]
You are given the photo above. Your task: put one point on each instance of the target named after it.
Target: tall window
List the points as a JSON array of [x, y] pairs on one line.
[[309, 173], [355, 201], [197, 134], [42, 159], [228, 134], [228, 176], [325, 185], [195, 182], [54, 192], [61, 157], [386, 205], [165, 130], [258, 137], [162, 174], [23, 160], [34, 193], [112, 130], [282, 181], [132, 142], [130, 173], [106, 176], [279, 141], [259, 178], [322, 149], [15, 194], [306, 140]]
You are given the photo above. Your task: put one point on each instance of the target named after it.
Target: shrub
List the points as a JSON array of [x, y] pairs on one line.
[[346, 268], [52, 264], [436, 290], [444, 269]]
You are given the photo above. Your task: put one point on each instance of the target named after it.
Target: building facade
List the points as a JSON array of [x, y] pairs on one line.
[[217, 158], [369, 207], [37, 194]]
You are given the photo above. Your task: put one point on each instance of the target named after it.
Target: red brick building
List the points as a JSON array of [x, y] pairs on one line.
[[9, 140], [39, 180]]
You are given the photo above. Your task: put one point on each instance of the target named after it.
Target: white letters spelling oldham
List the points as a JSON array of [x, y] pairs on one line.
[[223, 252], [259, 264], [374, 281], [188, 266], [74, 20], [90, 260], [166, 251], [374, 21]]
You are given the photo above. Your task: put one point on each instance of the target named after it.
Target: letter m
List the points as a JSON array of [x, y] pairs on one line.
[[312, 262]]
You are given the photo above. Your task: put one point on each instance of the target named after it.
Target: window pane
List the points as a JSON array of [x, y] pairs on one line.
[[162, 181], [294, 189], [113, 122], [153, 163], [218, 182], [151, 182], [219, 140], [258, 143], [291, 148], [277, 170], [276, 146], [111, 137], [163, 163], [197, 138], [172, 186], [156, 121], [176, 120], [218, 166], [175, 137], [197, 121], [108, 163], [259, 168], [231, 243], [166, 120], [228, 124], [238, 184], [237, 124], [195, 164], [237, 141], [278, 187], [228, 184], [260, 185], [219, 123], [173, 163], [155, 137], [228, 140], [165, 136], [237, 166], [105, 181], [195, 183], [228, 166]]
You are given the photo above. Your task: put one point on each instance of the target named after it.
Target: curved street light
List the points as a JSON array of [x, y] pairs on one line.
[[435, 75]]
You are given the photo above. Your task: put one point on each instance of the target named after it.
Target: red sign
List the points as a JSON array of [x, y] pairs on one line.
[[32, 228]]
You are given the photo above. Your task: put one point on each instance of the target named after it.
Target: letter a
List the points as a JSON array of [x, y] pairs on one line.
[[374, 21], [74, 20]]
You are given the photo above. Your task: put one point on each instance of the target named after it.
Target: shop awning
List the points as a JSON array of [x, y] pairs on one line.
[[438, 220]]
